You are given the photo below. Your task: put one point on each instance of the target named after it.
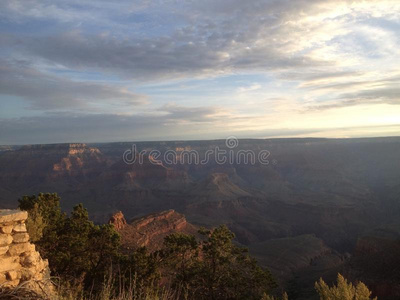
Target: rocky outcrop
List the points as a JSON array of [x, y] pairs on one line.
[[79, 160], [19, 261], [150, 231], [38, 165], [118, 220]]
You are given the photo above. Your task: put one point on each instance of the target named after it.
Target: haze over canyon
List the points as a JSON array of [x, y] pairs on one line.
[[318, 198]]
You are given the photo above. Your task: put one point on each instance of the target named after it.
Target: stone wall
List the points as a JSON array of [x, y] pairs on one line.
[[19, 261]]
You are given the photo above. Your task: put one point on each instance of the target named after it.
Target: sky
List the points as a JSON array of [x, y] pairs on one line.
[[105, 71]]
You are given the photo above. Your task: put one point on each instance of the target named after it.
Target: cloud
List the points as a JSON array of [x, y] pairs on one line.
[[174, 113], [167, 122], [254, 37], [391, 95], [315, 77], [364, 92], [245, 89], [167, 58], [79, 127], [46, 91], [214, 38], [316, 54], [66, 10]]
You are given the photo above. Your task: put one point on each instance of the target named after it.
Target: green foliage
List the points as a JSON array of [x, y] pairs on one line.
[[35, 224], [84, 250], [214, 268], [180, 255], [343, 290], [139, 266], [228, 272], [45, 217], [77, 249], [49, 206], [84, 253]]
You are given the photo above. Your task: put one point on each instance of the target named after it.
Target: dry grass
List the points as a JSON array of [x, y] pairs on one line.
[[110, 290], [22, 291], [113, 289]]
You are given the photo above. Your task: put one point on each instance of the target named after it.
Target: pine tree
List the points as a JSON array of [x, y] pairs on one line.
[[76, 248], [45, 219], [35, 224], [214, 268], [344, 290], [228, 272], [180, 255]]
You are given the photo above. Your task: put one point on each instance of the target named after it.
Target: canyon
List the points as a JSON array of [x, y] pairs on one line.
[[317, 198]]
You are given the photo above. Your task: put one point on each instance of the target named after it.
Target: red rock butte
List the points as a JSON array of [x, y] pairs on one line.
[[150, 230]]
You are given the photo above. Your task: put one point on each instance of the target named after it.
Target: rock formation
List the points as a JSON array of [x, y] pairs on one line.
[[19, 261], [150, 231], [118, 220]]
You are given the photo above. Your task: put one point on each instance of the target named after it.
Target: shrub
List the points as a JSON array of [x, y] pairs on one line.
[[343, 290]]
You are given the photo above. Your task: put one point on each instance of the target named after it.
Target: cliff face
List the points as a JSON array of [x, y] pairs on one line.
[[40, 164], [79, 159], [150, 231], [19, 261], [144, 173]]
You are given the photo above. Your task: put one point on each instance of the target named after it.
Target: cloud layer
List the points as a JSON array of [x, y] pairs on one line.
[[47, 91], [240, 66]]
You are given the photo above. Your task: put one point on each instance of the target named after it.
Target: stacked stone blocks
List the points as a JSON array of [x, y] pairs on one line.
[[19, 261]]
